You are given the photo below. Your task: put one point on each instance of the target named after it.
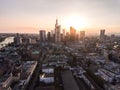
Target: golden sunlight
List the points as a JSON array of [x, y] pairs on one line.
[[75, 21]]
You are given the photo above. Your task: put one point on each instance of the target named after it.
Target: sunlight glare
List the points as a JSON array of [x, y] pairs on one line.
[[75, 21]]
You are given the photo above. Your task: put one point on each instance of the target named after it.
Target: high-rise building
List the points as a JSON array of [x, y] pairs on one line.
[[63, 35], [57, 32], [42, 35], [105, 52], [26, 40], [72, 34], [67, 37], [52, 34], [17, 39], [82, 35], [49, 36], [102, 34]]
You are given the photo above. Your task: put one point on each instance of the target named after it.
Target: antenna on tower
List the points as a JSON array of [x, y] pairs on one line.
[[56, 21], [56, 24]]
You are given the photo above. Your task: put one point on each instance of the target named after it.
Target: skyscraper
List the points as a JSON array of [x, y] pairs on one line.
[[82, 35], [102, 34], [57, 32], [105, 53], [72, 34], [67, 37], [49, 36], [63, 34], [17, 39], [42, 35]]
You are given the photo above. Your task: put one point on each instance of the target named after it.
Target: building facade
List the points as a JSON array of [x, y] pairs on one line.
[[63, 34], [102, 34], [42, 35], [82, 35], [57, 32], [17, 39], [72, 34]]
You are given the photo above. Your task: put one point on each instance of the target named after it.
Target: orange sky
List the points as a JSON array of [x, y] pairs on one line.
[[29, 16]]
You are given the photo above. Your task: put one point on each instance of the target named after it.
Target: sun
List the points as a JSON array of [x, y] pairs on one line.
[[75, 21]]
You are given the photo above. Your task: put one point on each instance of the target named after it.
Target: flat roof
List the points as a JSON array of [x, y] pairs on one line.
[[45, 88], [69, 82]]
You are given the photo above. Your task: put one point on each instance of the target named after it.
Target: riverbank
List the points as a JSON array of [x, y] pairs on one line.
[[2, 39], [6, 41]]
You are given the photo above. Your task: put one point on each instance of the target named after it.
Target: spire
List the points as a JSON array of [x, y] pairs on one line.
[[56, 22]]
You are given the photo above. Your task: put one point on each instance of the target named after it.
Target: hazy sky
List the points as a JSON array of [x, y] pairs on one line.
[[30, 16]]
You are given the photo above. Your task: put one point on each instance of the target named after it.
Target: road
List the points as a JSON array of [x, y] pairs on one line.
[[90, 79], [93, 82], [35, 76], [81, 84]]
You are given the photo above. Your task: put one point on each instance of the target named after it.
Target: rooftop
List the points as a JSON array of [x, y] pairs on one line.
[[69, 82]]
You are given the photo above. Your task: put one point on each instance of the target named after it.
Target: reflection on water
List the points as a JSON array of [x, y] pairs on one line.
[[6, 42]]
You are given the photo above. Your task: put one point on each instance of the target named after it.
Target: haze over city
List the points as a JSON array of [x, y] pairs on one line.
[[59, 44], [29, 16]]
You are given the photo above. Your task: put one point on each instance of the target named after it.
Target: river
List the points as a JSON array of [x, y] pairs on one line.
[[6, 42]]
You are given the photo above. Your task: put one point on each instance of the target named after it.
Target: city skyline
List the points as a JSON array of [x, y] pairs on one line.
[[59, 45], [30, 16]]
